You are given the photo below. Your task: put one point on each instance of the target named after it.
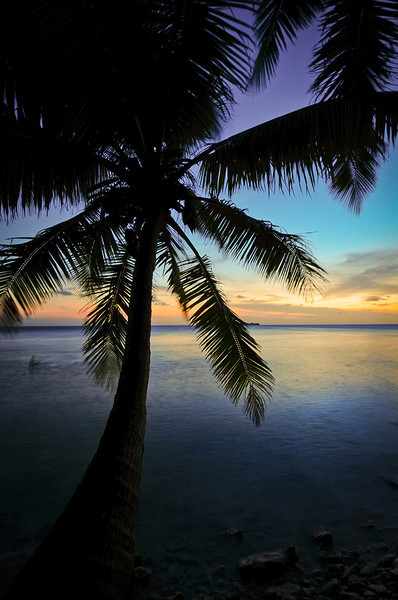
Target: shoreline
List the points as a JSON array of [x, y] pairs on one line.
[[346, 574], [359, 573]]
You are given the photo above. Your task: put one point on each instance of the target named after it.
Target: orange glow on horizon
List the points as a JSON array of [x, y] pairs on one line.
[[256, 304]]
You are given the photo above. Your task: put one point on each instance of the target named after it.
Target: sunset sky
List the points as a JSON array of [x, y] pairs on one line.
[[359, 253]]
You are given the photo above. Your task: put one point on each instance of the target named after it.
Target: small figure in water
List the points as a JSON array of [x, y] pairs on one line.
[[33, 361]]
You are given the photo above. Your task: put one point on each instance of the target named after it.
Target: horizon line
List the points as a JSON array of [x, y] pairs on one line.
[[251, 324]]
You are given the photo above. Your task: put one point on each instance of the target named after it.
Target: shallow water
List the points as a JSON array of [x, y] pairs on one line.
[[322, 458]]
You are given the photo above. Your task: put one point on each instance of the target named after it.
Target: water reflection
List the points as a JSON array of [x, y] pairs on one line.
[[322, 458]]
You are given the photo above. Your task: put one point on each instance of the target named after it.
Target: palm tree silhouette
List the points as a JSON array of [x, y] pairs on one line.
[[115, 109]]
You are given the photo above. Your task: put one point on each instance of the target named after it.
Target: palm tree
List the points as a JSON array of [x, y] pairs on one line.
[[122, 126], [343, 137]]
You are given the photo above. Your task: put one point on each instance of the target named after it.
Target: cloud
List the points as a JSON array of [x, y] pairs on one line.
[[264, 299], [380, 304], [159, 302], [373, 272], [375, 257], [65, 293], [374, 298], [285, 313]]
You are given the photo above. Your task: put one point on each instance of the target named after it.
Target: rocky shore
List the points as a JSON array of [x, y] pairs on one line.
[[370, 574]]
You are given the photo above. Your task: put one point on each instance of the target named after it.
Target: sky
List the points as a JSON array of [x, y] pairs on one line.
[[359, 253]]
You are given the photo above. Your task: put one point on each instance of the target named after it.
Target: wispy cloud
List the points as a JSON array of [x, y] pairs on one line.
[[375, 298], [65, 293], [375, 256], [375, 274]]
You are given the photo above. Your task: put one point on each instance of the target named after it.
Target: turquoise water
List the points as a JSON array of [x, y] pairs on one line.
[[323, 458]]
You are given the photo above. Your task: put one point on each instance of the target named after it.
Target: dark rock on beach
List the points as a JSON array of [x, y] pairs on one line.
[[340, 558], [234, 533], [267, 566], [142, 575], [278, 575], [322, 537]]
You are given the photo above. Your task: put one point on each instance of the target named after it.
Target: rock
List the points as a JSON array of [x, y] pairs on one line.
[[379, 590], [237, 533], [352, 570], [343, 558], [393, 588], [384, 576], [335, 570], [357, 584], [382, 546], [332, 588], [142, 575], [290, 577], [309, 592], [285, 591], [394, 574], [369, 570], [344, 575], [322, 537], [266, 566], [350, 596], [386, 561]]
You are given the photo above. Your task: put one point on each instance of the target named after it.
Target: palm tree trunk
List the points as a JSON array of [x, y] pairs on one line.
[[89, 553]]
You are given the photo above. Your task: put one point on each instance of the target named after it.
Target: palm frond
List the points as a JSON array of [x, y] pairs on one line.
[[214, 37], [276, 255], [106, 323], [223, 336], [386, 115], [33, 271], [38, 170], [297, 148], [204, 54], [277, 24], [170, 247], [357, 52], [354, 177], [29, 276]]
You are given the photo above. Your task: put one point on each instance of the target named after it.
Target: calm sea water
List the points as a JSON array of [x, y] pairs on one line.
[[325, 456]]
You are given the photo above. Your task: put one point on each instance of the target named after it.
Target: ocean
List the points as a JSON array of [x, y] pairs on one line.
[[325, 457]]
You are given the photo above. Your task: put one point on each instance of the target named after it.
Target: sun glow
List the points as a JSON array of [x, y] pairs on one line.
[[254, 303]]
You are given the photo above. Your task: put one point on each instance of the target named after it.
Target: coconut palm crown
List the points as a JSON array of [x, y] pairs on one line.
[[114, 109]]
